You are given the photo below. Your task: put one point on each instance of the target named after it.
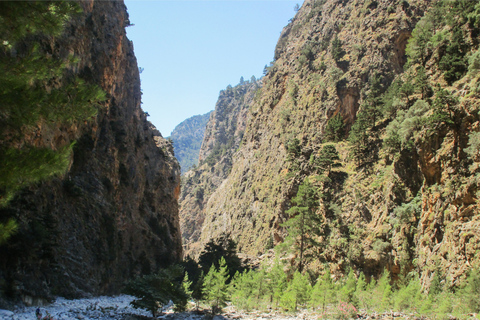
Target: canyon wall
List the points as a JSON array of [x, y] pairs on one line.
[[114, 213]]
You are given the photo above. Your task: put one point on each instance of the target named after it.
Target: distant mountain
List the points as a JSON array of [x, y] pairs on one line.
[[223, 135], [187, 139]]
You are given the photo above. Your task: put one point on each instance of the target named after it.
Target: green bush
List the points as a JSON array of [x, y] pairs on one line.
[[154, 291]]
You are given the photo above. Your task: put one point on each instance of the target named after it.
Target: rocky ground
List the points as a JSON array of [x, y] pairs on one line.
[[118, 308]]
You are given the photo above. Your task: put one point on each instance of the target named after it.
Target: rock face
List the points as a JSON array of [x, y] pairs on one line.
[[187, 139], [415, 207], [115, 213], [223, 135]]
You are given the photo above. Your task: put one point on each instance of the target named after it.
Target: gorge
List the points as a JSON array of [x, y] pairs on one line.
[[366, 125]]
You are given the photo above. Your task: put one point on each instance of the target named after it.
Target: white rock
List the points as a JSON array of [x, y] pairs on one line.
[[6, 313]]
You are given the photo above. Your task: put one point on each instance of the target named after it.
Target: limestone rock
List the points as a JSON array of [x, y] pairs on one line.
[[115, 213]]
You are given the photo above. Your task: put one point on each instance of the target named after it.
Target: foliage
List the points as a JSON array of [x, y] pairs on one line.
[[215, 289], [293, 149], [402, 132], [297, 292], [346, 292], [323, 292], [37, 88], [327, 158], [7, 230], [360, 139], [337, 50], [154, 291], [335, 129], [409, 296], [23, 167], [277, 283], [471, 291], [304, 224], [221, 248]]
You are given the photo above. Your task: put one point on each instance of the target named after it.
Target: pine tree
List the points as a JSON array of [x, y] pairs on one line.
[[215, 286], [337, 50], [36, 87], [323, 292], [359, 139], [304, 225], [347, 291], [327, 158], [471, 292], [360, 294], [277, 283], [335, 129]]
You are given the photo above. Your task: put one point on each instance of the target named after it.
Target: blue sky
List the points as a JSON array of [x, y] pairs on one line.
[[190, 50]]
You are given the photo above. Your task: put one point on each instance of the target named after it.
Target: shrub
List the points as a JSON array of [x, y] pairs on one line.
[[156, 290]]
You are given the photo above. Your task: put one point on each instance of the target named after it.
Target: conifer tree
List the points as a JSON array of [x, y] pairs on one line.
[[327, 158], [335, 129], [347, 291], [323, 292], [297, 292], [36, 87], [304, 225], [215, 286], [277, 283]]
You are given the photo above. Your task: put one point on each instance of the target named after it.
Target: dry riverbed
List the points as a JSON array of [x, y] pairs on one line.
[[118, 308]]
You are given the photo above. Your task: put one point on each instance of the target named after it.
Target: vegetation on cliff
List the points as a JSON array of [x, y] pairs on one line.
[[95, 188], [38, 90], [375, 105], [223, 134]]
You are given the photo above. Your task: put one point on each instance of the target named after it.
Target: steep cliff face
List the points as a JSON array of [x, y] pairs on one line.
[[223, 135], [303, 89], [187, 139], [401, 209], [114, 214]]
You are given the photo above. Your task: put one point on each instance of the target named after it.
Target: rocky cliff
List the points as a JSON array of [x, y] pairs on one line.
[[223, 135], [388, 86], [187, 139], [114, 214]]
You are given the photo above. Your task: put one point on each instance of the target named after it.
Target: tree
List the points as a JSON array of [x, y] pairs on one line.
[[216, 249], [304, 224], [215, 286], [327, 158], [37, 87], [347, 291], [359, 139], [277, 283], [297, 293], [337, 50], [154, 291], [323, 292], [471, 291], [335, 129]]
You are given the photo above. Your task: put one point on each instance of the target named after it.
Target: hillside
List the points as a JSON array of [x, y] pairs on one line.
[[393, 87], [110, 210], [223, 135], [187, 139]]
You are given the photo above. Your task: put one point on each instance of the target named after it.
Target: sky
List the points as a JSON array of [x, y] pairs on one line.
[[190, 50]]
